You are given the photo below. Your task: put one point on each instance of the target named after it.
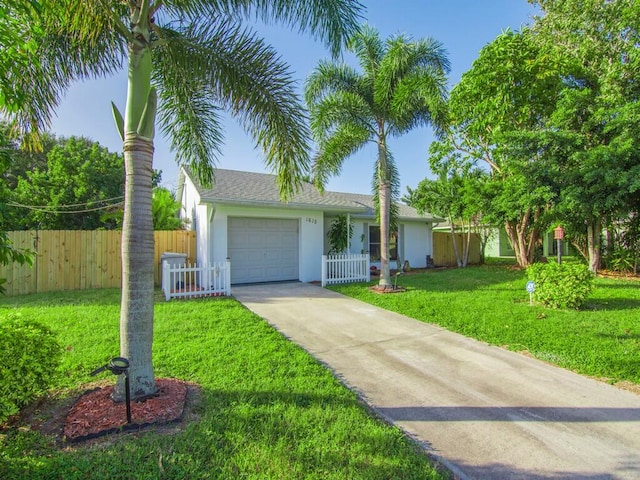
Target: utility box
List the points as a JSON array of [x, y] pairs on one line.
[[174, 260]]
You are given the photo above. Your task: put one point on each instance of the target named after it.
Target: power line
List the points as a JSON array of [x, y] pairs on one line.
[[72, 204], [47, 210]]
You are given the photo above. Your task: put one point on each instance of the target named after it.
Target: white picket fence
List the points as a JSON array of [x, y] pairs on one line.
[[345, 268], [188, 281]]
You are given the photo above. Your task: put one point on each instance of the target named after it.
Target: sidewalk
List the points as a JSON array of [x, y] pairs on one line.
[[484, 412]]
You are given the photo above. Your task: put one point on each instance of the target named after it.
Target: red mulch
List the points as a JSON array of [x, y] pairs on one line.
[[95, 413], [387, 289]]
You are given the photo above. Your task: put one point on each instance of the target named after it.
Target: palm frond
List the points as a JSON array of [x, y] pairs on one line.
[[230, 68], [340, 108], [406, 57], [368, 48], [188, 112], [331, 21], [344, 141], [329, 77], [61, 52], [419, 99]]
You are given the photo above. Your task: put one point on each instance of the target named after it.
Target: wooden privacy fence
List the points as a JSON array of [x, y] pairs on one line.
[[81, 259], [444, 254]]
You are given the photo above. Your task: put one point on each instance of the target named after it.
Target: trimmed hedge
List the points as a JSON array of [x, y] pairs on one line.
[[30, 356], [561, 286]]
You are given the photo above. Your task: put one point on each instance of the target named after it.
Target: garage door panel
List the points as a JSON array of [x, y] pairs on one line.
[[263, 249]]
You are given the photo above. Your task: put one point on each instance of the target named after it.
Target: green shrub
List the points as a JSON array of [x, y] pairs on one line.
[[561, 286], [30, 355], [621, 260]]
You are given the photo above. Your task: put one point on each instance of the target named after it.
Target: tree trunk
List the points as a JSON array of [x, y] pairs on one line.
[[467, 246], [384, 198], [454, 240], [483, 235], [522, 237], [136, 314], [594, 230], [384, 194], [518, 243]]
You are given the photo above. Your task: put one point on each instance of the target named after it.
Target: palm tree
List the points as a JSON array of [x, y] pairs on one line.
[[402, 86], [188, 60]]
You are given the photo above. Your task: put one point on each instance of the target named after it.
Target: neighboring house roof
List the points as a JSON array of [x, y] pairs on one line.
[[260, 189]]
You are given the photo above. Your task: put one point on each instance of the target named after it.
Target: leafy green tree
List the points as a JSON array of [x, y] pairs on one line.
[[451, 195], [72, 190], [402, 86], [24, 160], [512, 88], [166, 210], [186, 60], [598, 115], [8, 253]]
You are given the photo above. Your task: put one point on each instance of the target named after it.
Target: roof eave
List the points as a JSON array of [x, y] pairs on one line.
[[270, 204]]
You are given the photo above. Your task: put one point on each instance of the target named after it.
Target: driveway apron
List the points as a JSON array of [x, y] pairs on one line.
[[484, 412]]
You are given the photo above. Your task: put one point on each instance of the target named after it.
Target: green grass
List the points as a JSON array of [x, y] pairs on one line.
[[268, 411], [491, 304]]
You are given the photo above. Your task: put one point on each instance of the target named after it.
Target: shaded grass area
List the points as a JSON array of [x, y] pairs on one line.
[[268, 409], [491, 304]]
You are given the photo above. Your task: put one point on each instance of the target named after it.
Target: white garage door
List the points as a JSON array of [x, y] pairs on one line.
[[263, 249]]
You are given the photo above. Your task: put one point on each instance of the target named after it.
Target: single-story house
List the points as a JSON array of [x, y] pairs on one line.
[[242, 218], [499, 246]]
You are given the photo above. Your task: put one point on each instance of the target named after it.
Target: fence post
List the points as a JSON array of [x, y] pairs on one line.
[[367, 266], [324, 270], [166, 281], [227, 277]]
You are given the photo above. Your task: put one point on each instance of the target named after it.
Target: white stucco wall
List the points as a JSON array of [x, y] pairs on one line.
[[310, 235], [198, 216], [418, 243]]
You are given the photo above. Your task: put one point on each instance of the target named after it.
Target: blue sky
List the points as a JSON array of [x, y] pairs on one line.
[[463, 26]]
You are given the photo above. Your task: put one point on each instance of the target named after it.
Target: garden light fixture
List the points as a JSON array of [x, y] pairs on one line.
[[118, 366]]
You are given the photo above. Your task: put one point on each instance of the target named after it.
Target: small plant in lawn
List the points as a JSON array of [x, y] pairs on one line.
[[564, 285], [30, 355], [622, 260]]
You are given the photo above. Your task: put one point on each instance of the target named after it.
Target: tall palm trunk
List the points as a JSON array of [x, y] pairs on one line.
[[136, 313], [384, 194], [384, 198]]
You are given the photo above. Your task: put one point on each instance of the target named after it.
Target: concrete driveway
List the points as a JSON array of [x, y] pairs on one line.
[[484, 412]]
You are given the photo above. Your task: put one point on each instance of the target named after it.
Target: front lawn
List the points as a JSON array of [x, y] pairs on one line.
[[491, 304], [268, 409]]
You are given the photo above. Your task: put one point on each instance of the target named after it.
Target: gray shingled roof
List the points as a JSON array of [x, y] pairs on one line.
[[260, 189]]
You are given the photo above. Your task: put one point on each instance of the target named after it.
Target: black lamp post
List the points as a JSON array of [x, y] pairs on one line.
[[118, 366]]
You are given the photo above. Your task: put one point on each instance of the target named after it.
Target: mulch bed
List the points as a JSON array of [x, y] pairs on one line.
[[388, 289], [95, 414]]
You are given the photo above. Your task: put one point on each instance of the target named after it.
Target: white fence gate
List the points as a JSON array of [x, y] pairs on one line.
[[188, 281], [345, 268]]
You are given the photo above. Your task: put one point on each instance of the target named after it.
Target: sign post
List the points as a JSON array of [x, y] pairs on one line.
[[558, 234], [531, 287]]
